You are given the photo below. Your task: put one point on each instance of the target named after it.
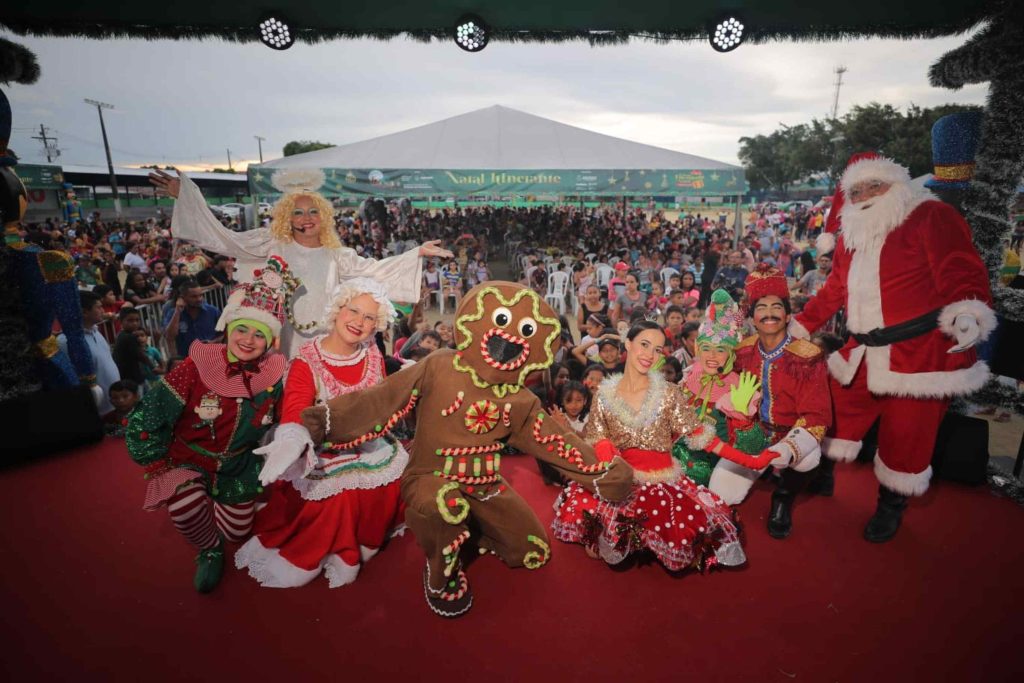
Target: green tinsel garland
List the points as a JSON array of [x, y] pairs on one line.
[[995, 55]]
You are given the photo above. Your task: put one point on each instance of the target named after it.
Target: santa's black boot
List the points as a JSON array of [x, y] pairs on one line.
[[886, 520], [824, 481]]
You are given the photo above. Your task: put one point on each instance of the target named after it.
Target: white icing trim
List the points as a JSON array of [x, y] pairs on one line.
[[981, 312], [904, 483]]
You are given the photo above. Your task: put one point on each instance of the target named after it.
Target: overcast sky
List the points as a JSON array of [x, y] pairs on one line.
[[185, 103]]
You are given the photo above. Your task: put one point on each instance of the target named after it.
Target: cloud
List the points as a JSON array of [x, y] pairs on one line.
[[188, 102]]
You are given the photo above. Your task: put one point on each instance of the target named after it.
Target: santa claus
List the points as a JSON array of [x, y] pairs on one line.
[[917, 300]]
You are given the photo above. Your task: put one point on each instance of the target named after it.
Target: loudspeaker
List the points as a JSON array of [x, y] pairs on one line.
[[961, 449], [45, 422]]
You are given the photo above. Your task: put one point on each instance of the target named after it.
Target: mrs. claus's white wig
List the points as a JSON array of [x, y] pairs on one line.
[[347, 290]]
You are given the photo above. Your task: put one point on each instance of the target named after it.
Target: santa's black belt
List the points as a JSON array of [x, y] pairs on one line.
[[908, 329]]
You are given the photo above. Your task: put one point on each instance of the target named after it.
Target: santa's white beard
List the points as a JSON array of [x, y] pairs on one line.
[[865, 228]]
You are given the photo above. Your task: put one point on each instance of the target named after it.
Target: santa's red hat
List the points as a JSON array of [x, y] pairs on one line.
[[826, 242], [765, 281], [873, 166]]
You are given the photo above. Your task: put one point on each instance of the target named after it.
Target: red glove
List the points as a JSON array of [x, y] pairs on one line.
[[754, 462], [605, 450]]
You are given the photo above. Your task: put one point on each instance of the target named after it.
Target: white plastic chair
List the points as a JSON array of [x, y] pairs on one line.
[[558, 286], [667, 273], [439, 295], [591, 257], [604, 274]]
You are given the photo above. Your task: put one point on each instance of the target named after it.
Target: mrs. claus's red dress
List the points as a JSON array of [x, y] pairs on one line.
[[333, 509]]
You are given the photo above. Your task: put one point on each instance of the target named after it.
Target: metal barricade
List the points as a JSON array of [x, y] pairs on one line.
[[153, 323], [217, 297]]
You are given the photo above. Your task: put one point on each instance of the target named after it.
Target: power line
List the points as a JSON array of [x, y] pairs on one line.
[[51, 151]]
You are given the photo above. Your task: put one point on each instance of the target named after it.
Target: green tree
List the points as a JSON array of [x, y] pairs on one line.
[[303, 146], [821, 148]]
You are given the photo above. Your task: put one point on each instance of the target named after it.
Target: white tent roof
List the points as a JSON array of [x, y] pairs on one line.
[[497, 138]]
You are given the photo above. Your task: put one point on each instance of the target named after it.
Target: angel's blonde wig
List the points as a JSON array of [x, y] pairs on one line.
[[281, 218]]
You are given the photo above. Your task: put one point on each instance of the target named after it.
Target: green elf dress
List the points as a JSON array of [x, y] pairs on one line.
[[716, 396]]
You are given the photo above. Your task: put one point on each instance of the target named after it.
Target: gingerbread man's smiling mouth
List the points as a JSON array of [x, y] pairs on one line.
[[504, 351]]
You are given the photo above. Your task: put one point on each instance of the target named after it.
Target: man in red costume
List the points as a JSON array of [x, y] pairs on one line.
[[795, 409], [917, 300]]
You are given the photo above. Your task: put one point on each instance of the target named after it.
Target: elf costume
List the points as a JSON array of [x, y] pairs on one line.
[[715, 395], [194, 433]]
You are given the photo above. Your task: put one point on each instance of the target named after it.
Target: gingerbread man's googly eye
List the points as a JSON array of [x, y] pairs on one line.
[[527, 328], [501, 316]]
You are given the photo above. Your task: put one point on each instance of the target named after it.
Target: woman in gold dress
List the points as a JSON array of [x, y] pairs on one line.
[[639, 415]]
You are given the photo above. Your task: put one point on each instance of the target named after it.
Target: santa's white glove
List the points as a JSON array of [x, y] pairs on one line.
[[290, 443], [966, 331]]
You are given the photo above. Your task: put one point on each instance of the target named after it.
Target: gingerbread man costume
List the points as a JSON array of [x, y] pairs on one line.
[[470, 403]]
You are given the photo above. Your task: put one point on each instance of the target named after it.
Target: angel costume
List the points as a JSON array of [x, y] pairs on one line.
[[682, 523], [318, 269]]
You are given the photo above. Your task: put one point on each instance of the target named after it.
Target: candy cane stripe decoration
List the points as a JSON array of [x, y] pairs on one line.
[[380, 430], [456, 404]]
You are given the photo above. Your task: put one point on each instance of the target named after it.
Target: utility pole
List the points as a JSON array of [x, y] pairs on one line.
[[229, 159], [839, 71], [100, 106], [51, 152], [259, 141]]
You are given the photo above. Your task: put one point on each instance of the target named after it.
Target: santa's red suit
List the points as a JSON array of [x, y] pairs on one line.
[[913, 287]]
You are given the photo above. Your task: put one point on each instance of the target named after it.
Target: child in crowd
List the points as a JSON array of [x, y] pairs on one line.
[[570, 409], [572, 405], [154, 366], [673, 329], [672, 369], [593, 376], [609, 350], [657, 301], [688, 347], [124, 395]]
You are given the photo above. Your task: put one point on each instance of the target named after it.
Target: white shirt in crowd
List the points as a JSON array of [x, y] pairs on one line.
[[132, 260]]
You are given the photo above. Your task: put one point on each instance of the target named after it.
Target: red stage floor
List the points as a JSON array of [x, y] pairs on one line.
[[93, 588]]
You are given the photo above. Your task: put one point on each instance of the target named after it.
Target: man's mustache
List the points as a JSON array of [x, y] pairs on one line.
[[771, 319]]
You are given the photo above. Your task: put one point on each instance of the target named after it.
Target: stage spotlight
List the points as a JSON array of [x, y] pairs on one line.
[[471, 33], [275, 32], [727, 33]]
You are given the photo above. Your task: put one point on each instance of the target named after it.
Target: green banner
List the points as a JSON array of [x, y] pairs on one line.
[[40, 177], [462, 183]]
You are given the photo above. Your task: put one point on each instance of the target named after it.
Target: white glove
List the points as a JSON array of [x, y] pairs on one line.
[[289, 444], [966, 331]]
